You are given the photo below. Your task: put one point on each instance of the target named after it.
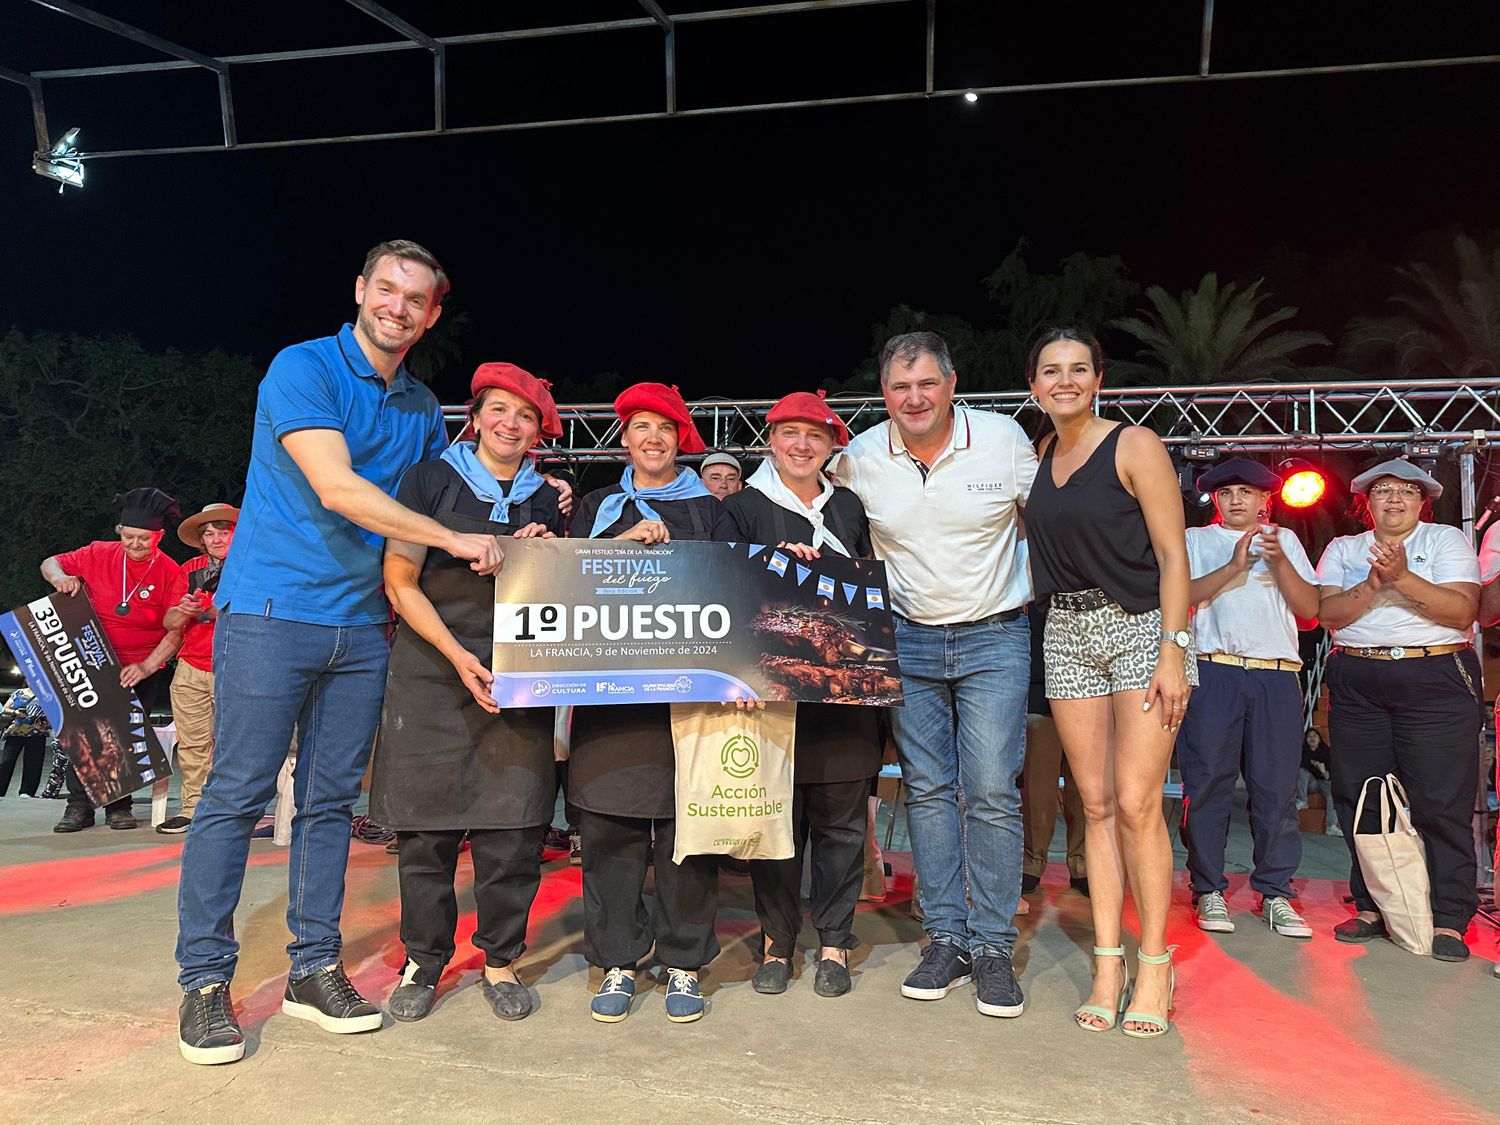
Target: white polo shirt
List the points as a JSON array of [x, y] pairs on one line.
[[1249, 616], [950, 540], [1434, 551]]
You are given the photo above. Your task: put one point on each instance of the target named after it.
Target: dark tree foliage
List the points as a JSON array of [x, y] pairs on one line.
[[83, 418]]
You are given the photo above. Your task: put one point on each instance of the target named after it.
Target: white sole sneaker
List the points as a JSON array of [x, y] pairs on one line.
[[212, 1056], [934, 993], [338, 1026], [1216, 925], [1003, 1011], [1303, 931]]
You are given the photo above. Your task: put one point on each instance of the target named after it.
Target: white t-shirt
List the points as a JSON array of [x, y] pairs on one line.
[[1249, 616], [1434, 551], [950, 540], [1489, 555]]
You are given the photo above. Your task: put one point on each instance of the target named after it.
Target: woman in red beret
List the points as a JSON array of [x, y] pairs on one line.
[[789, 502], [622, 764], [451, 765]]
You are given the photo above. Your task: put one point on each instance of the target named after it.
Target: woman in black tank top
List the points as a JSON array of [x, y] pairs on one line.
[[1105, 528]]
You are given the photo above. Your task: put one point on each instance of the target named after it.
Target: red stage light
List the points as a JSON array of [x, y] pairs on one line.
[[1303, 489]]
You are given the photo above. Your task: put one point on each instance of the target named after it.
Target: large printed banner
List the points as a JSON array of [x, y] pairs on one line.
[[73, 671], [588, 621]]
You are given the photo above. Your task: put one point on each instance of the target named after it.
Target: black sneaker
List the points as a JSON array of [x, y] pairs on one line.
[[175, 826], [995, 983], [411, 999], [74, 819], [1446, 947], [330, 1001], [1030, 883], [944, 967], [207, 1032]]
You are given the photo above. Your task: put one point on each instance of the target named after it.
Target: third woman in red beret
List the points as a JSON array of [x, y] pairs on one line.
[[622, 765], [787, 501]]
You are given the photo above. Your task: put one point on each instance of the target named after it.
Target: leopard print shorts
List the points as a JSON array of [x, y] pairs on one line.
[[1094, 652]]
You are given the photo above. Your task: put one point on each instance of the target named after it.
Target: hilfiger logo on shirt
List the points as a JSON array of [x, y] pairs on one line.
[[985, 486]]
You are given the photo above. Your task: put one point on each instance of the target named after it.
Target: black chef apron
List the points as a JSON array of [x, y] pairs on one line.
[[444, 763]]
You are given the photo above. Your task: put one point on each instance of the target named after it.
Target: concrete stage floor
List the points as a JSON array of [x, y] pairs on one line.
[[1267, 1028]]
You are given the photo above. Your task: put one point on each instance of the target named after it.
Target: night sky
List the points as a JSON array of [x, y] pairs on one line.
[[734, 255]]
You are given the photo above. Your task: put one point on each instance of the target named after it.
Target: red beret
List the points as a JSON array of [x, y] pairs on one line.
[[666, 401], [799, 406], [523, 384]]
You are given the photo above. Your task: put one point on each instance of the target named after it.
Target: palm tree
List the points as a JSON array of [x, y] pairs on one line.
[[1214, 334], [1449, 323]]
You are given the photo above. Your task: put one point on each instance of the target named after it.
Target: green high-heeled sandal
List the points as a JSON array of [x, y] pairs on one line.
[[1159, 1024], [1108, 1015]]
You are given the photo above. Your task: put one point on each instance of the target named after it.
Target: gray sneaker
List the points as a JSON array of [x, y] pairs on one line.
[[1213, 914], [1279, 915]]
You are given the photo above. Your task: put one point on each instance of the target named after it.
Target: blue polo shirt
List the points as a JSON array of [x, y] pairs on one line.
[[293, 559]]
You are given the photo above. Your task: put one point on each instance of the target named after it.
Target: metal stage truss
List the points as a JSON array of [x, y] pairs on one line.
[[1461, 414], [926, 39]]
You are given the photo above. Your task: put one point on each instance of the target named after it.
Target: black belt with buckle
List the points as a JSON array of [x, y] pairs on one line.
[[1079, 601], [992, 619]]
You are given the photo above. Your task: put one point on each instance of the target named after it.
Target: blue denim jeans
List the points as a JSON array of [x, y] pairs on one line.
[[272, 677], [962, 739]]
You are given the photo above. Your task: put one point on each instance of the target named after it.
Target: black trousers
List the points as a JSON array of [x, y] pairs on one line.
[[1415, 718], [507, 872], [31, 749], [833, 817], [146, 691], [618, 929]]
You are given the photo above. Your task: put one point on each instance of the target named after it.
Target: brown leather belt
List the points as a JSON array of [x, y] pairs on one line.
[[1398, 652], [1254, 663]]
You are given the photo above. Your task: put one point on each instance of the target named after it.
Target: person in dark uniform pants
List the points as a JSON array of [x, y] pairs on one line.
[[1253, 588], [787, 501], [622, 765], [1404, 687], [451, 764]]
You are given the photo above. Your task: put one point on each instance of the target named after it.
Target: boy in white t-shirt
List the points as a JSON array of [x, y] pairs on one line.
[[1253, 587]]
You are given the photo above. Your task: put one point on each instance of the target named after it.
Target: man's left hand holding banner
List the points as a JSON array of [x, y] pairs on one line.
[[75, 676]]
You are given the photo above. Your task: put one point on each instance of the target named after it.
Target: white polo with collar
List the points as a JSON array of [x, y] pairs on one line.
[[950, 540]]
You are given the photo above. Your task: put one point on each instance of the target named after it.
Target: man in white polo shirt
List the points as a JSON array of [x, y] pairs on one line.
[[943, 487], [1253, 587]]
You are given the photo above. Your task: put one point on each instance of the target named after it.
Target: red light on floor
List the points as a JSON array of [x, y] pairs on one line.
[[1303, 489]]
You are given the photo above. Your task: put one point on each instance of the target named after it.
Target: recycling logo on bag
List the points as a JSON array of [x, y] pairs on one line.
[[740, 757]]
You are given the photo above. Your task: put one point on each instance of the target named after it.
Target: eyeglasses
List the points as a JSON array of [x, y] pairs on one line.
[[1403, 491]]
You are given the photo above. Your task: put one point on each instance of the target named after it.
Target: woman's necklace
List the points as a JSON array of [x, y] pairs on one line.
[[124, 607]]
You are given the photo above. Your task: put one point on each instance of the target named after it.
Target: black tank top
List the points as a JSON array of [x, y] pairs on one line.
[[1090, 533]]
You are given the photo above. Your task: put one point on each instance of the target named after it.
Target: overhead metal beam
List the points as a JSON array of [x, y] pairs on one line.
[[134, 34], [664, 21], [471, 40], [817, 103], [38, 109], [1206, 40], [419, 37], [187, 55], [931, 40]]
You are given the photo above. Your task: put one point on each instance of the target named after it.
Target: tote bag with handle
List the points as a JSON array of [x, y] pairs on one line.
[[1394, 863], [734, 780]]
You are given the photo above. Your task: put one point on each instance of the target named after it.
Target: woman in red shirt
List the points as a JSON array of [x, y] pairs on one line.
[[131, 585]]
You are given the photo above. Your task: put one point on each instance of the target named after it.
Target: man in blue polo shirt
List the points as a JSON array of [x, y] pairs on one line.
[[300, 641]]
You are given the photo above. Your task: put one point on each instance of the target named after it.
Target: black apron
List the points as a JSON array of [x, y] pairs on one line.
[[623, 761], [444, 763]]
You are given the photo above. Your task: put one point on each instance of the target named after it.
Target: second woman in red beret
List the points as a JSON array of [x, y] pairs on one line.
[[622, 766]]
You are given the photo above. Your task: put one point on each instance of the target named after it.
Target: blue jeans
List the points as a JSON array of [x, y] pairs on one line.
[[963, 731], [272, 677]]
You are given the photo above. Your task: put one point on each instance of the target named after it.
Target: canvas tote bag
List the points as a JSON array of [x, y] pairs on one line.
[[734, 780], [1394, 864]]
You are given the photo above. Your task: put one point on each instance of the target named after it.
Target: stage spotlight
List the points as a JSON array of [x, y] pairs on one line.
[[1302, 483], [61, 162], [971, 97]]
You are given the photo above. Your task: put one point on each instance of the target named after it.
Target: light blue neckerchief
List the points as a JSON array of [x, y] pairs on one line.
[[685, 486], [482, 482]]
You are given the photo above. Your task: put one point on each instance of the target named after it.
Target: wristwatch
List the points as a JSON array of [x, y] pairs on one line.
[[1179, 638]]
